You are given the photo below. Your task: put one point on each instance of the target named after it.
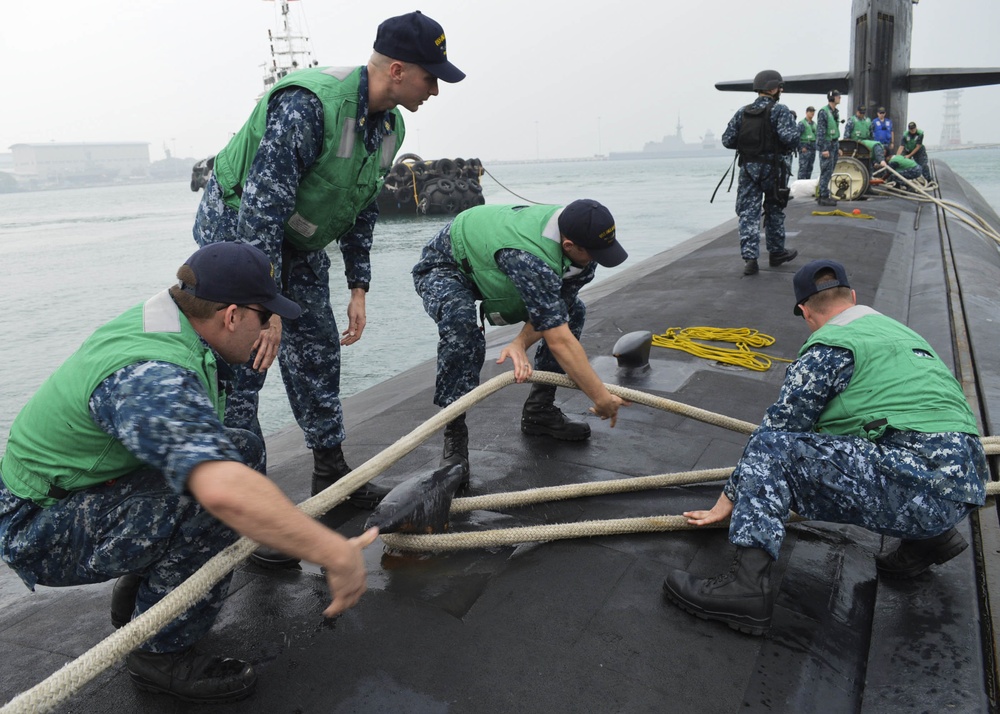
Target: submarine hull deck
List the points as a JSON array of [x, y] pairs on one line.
[[581, 625]]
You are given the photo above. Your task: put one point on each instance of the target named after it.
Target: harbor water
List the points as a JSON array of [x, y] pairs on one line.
[[71, 260]]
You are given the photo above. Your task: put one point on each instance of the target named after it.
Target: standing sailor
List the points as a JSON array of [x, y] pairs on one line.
[[302, 174], [763, 133], [828, 145], [882, 130], [859, 126], [807, 144]]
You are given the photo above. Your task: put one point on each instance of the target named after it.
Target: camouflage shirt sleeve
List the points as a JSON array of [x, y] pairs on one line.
[[356, 245], [540, 288], [162, 414], [732, 132], [810, 383], [292, 141]]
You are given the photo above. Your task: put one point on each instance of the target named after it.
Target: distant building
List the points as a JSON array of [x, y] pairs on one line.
[[62, 164]]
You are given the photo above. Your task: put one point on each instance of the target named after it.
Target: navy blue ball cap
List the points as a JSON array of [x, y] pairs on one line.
[[591, 226], [416, 38], [805, 280], [237, 274]]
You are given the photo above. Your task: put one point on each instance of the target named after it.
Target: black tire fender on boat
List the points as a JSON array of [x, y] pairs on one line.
[[409, 157], [445, 166]]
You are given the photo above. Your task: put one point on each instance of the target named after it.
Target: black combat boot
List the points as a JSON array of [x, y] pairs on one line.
[[541, 416], [826, 201], [750, 266], [782, 256], [456, 446], [913, 557], [191, 676], [739, 597], [329, 467], [123, 599]]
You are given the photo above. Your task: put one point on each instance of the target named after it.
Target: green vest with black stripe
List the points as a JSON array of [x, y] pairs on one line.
[[345, 178], [54, 440]]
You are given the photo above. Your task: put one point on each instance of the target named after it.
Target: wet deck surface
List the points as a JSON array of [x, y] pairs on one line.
[[581, 625]]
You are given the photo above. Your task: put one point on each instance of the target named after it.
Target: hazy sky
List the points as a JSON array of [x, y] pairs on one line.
[[546, 78]]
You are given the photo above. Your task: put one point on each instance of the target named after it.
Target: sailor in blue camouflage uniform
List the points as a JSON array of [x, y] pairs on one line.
[[807, 144], [120, 467], [870, 429], [911, 146], [828, 145], [277, 186], [764, 155], [525, 264]]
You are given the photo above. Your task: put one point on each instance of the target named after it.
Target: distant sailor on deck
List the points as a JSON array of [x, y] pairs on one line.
[[907, 168], [302, 173], [763, 133], [870, 429], [524, 264], [911, 146], [859, 126], [882, 130], [828, 145], [807, 144], [120, 467]]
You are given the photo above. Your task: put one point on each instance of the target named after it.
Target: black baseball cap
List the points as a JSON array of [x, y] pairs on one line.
[[805, 280], [416, 38], [237, 274], [912, 125], [591, 226], [881, 110]]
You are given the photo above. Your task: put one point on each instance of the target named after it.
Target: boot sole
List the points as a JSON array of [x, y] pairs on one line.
[[532, 430], [149, 686], [746, 625]]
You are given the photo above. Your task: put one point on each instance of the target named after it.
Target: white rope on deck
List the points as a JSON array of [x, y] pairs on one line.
[[978, 223], [59, 686]]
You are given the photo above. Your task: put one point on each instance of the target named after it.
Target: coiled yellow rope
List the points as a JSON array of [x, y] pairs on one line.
[[745, 339]]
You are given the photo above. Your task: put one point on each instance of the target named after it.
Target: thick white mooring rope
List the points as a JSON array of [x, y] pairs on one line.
[[58, 687]]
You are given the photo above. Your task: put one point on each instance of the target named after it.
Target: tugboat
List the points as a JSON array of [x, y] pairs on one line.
[[413, 186]]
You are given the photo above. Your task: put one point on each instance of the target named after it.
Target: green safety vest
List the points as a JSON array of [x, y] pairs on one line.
[[54, 440], [807, 131], [345, 178], [832, 132], [479, 232], [910, 140], [861, 129], [902, 162], [874, 148], [897, 377]]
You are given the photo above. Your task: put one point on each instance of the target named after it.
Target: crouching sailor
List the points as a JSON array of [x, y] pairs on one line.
[[120, 467], [870, 429], [526, 264]]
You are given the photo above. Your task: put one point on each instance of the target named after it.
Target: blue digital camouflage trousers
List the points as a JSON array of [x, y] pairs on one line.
[[892, 486], [756, 185], [136, 524], [309, 359], [826, 167], [450, 299], [921, 158], [807, 157]]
